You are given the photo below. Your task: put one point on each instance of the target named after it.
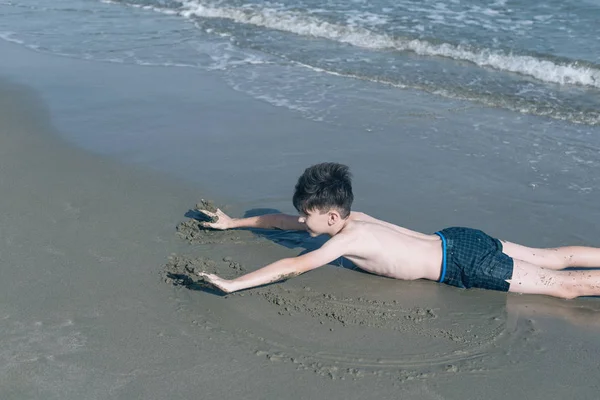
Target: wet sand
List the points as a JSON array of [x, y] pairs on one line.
[[99, 299]]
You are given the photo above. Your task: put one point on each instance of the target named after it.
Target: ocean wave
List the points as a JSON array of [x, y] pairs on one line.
[[513, 103], [561, 72]]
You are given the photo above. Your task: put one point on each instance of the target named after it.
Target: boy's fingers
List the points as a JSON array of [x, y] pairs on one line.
[[210, 225]]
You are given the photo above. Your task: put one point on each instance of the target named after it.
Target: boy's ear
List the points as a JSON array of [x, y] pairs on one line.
[[334, 216]]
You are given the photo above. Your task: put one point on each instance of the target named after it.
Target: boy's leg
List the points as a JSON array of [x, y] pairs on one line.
[[533, 279], [556, 258]]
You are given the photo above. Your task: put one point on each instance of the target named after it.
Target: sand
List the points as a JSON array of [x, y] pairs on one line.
[[99, 299]]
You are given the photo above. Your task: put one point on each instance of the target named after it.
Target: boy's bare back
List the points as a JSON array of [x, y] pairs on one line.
[[386, 249]]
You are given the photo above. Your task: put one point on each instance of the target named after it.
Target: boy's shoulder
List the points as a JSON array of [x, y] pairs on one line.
[[354, 228]]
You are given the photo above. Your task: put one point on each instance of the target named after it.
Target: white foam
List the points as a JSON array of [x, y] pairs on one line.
[[307, 25], [9, 37], [229, 58]]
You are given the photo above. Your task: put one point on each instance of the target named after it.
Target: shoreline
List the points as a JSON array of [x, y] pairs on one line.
[[86, 313]]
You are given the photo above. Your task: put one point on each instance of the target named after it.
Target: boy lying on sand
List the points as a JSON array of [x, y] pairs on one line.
[[461, 257]]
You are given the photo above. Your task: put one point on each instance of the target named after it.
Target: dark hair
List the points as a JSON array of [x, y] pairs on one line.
[[324, 186]]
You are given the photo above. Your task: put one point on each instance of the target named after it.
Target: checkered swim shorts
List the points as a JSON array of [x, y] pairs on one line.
[[473, 259]]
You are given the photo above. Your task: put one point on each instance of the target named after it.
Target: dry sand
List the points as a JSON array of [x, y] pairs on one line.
[[99, 300]]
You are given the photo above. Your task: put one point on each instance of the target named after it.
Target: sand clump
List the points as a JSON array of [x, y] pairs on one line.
[[183, 271], [193, 232], [208, 206]]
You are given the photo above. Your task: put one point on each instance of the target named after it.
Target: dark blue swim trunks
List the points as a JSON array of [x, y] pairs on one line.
[[471, 258]]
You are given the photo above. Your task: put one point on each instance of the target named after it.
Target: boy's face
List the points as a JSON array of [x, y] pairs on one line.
[[317, 222]]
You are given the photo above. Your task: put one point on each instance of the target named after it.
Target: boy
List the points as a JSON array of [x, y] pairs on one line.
[[460, 257]]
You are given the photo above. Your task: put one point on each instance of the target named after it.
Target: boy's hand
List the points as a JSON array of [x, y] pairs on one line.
[[220, 283], [222, 220]]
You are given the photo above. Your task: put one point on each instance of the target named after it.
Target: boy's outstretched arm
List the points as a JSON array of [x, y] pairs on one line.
[[282, 269], [268, 221]]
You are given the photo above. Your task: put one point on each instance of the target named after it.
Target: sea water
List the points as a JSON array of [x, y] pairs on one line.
[[541, 58]]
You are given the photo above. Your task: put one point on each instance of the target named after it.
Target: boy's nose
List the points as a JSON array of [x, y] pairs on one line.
[[301, 220]]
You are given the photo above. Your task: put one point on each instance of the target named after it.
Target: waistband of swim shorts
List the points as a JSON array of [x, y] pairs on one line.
[[443, 273]]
